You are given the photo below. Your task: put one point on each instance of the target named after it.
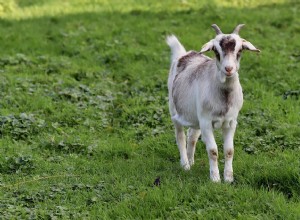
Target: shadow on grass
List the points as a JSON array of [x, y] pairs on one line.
[[285, 183]]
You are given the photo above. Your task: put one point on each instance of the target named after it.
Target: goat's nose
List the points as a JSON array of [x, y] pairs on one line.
[[228, 69]]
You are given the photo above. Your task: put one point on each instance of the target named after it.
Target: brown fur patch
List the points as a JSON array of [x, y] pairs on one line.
[[226, 98], [182, 64], [183, 61], [227, 44], [194, 75]]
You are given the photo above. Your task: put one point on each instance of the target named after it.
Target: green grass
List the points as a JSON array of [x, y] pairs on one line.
[[84, 122]]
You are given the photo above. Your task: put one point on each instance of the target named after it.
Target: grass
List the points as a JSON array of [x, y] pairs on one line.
[[85, 129]]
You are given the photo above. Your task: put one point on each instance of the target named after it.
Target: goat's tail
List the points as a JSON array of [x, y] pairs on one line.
[[177, 50]]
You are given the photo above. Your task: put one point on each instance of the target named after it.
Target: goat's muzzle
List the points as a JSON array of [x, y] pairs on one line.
[[228, 70]]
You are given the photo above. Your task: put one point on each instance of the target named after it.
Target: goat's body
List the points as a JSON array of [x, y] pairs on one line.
[[198, 99], [195, 93]]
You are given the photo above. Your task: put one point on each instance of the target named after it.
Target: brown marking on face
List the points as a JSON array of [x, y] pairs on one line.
[[213, 154], [227, 44], [184, 60], [229, 154]]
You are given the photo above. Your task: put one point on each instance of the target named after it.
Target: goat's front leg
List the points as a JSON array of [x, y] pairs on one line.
[[228, 134], [212, 149], [181, 142]]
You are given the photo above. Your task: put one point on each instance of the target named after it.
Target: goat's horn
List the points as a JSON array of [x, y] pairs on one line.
[[217, 29], [237, 29]]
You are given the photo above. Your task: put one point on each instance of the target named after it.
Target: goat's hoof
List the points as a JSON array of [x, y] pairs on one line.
[[186, 166], [215, 177], [228, 176], [191, 162]]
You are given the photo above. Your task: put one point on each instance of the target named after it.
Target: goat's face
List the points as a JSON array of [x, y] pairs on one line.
[[228, 49]]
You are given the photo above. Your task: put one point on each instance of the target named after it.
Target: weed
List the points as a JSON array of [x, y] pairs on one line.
[[17, 164], [67, 147], [20, 127]]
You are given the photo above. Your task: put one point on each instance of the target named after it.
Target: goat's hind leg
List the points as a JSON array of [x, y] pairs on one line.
[[192, 138], [181, 142]]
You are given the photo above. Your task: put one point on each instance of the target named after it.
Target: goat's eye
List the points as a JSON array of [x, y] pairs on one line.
[[217, 54], [238, 55]]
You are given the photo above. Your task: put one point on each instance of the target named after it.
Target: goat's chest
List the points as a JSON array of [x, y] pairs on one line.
[[224, 102]]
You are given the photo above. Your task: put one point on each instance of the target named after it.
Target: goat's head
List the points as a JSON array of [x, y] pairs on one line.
[[228, 49]]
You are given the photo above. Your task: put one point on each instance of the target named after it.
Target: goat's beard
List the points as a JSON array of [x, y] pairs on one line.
[[220, 74], [222, 77]]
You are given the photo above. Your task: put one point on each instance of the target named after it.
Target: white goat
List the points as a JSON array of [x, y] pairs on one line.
[[204, 94]]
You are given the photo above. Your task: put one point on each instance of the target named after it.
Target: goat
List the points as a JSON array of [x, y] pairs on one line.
[[206, 94]]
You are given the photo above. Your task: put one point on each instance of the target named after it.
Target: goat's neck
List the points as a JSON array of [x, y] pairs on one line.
[[232, 81], [228, 83]]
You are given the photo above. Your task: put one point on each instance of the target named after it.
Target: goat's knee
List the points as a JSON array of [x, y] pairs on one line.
[[213, 154], [213, 162], [228, 170], [229, 153]]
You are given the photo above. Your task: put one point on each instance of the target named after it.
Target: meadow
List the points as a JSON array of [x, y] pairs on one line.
[[84, 123]]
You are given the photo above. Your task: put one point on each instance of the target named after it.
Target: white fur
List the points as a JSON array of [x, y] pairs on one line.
[[196, 100]]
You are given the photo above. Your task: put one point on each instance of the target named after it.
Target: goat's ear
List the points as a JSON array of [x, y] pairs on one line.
[[248, 46], [207, 47]]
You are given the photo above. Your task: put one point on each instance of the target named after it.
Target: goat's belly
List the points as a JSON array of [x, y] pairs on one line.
[[180, 119]]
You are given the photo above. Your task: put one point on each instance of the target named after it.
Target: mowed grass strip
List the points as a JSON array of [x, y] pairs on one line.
[[84, 123]]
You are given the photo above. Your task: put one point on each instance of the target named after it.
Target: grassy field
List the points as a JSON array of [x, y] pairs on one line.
[[84, 122]]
